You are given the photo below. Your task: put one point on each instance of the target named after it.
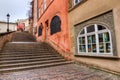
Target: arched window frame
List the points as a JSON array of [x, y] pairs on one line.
[[96, 33]]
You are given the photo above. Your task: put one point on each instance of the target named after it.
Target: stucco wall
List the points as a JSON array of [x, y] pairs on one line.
[[59, 39], [3, 27], [88, 10]]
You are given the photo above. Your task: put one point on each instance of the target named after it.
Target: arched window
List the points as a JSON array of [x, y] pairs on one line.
[[40, 30], [94, 39], [55, 25]]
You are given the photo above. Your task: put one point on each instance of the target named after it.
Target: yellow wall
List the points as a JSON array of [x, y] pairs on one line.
[[90, 9]]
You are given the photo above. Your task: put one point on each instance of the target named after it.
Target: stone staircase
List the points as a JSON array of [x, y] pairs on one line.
[[23, 37], [29, 55]]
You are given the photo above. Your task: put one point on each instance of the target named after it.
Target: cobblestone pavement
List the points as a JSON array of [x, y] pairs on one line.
[[64, 72]]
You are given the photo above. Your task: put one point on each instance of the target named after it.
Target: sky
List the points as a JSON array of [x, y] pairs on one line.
[[16, 8]]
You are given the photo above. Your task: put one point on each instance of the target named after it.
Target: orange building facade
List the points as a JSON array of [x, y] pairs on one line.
[[52, 24]]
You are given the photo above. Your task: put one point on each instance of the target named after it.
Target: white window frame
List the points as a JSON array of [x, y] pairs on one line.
[[96, 32], [77, 2]]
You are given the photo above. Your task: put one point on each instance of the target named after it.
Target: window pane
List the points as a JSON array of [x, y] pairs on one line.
[[83, 40], [82, 48], [94, 48], [108, 47], [93, 39], [76, 1], [90, 29], [80, 40], [89, 48], [100, 37], [82, 32], [80, 0], [89, 38], [106, 37], [101, 27], [101, 47]]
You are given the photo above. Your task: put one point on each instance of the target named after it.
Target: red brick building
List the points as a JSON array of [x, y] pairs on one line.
[[52, 23]]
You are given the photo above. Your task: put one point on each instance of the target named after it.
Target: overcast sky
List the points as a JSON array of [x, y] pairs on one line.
[[16, 8]]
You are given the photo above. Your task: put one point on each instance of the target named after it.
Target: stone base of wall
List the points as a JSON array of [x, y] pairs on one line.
[[66, 54], [107, 65]]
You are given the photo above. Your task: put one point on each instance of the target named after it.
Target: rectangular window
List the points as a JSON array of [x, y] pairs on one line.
[[77, 1]]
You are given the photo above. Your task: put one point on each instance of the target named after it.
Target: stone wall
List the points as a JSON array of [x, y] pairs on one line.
[[5, 38], [105, 19]]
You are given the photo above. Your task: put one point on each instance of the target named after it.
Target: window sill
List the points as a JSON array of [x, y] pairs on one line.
[[98, 56]]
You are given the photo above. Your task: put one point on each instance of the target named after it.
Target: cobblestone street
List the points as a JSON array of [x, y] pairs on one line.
[[64, 72]]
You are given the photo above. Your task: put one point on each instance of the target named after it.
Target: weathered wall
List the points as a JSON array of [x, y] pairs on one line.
[[88, 10], [59, 39], [5, 38]]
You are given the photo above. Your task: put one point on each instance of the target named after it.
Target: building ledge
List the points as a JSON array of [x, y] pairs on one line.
[[97, 56]]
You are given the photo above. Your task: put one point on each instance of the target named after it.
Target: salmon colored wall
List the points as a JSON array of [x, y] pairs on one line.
[[60, 8]]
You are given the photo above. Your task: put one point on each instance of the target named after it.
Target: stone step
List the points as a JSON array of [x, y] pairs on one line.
[[22, 56], [30, 63], [33, 66], [19, 58], [25, 54], [27, 50], [18, 51], [28, 60], [28, 53]]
